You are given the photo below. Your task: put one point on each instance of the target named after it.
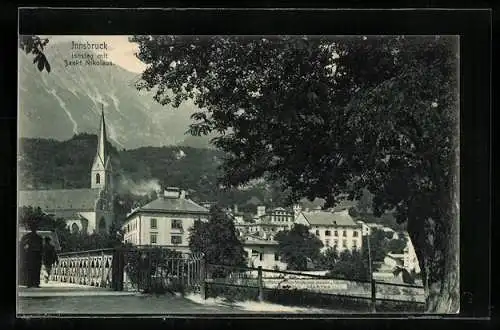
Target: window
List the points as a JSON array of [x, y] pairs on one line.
[[154, 223], [354, 244], [328, 233], [327, 242], [261, 256], [344, 233], [176, 239], [153, 237], [317, 232], [355, 234], [97, 178], [335, 244], [176, 224], [336, 233], [276, 256], [344, 243]]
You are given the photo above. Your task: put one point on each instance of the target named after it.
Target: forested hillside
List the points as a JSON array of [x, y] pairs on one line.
[[51, 164]]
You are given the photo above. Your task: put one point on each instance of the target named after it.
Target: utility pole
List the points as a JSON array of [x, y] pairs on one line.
[[372, 282]]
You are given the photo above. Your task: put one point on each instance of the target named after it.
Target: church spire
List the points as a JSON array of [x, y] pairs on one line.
[[102, 139], [101, 168]]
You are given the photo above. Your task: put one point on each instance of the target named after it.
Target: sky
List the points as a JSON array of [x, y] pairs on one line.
[[120, 50]]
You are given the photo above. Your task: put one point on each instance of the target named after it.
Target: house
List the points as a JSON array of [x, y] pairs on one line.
[[334, 229], [165, 221], [262, 253], [87, 209], [365, 228]]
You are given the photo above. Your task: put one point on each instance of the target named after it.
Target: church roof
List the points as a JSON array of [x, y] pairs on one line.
[[172, 205], [60, 199]]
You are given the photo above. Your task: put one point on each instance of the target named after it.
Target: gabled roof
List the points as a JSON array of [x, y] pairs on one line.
[[323, 218], [172, 205], [60, 199]]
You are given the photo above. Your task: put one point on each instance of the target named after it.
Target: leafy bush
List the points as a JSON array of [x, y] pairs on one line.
[[232, 292], [149, 270]]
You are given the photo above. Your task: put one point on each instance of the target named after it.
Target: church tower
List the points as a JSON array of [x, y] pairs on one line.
[[101, 173]]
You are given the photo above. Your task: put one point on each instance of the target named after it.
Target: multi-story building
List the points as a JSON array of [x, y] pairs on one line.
[[334, 229], [164, 221]]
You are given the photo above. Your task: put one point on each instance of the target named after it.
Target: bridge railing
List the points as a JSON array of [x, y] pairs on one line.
[[138, 268], [93, 268]]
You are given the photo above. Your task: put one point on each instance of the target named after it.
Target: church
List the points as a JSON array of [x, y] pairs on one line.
[[84, 210]]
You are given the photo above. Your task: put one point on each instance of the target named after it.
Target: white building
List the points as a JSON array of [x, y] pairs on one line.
[[365, 228], [262, 253], [334, 229], [164, 221]]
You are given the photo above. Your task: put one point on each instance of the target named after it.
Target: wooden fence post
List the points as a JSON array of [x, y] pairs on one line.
[[203, 278], [373, 296], [260, 284]]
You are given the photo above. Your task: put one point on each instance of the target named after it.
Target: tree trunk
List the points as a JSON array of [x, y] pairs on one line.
[[437, 247]]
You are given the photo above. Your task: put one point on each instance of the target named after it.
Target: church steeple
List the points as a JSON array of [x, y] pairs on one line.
[[101, 168], [102, 139]]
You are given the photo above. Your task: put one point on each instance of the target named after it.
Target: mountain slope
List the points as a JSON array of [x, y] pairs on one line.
[[68, 100]]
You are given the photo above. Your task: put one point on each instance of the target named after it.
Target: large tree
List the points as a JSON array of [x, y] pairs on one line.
[[218, 241], [330, 115], [297, 246]]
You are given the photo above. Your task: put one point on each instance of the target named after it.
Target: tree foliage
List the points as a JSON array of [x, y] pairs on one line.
[[34, 217], [382, 113], [297, 246], [34, 45], [218, 241], [351, 265]]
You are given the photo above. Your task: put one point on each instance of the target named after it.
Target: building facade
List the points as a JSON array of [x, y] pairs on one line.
[[165, 221], [263, 253], [334, 229], [84, 210]]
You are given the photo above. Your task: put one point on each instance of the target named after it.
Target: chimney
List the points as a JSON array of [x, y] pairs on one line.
[[172, 192], [261, 210]]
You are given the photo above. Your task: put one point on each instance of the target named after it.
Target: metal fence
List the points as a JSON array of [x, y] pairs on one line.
[[282, 284]]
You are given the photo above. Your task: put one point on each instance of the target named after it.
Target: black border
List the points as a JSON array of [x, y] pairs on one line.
[[473, 26]]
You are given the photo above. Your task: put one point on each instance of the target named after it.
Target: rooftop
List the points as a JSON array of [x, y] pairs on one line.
[[172, 205], [60, 199], [323, 218], [256, 241]]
